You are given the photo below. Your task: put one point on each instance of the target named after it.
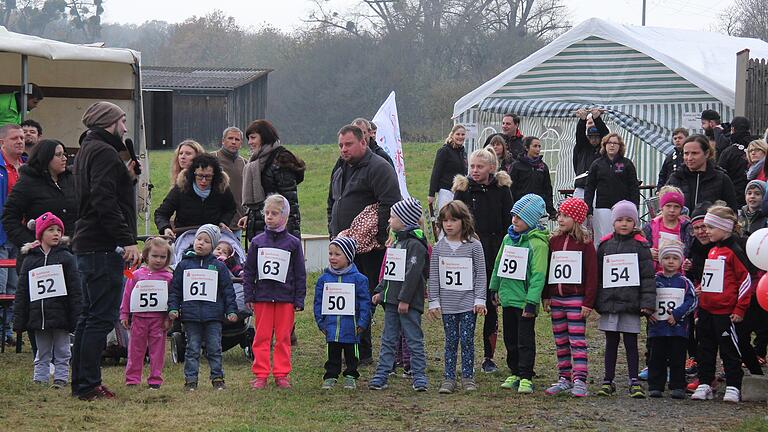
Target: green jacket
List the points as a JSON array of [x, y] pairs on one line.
[[411, 290], [9, 111], [524, 294]]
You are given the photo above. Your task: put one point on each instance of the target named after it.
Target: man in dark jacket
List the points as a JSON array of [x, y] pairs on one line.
[[510, 131], [590, 131], [105, 188], [710, 122], [673, 161], [370, 138], [361, 179], [733, 158]]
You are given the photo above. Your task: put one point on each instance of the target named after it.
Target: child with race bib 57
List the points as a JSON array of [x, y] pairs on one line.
[[201, 296]]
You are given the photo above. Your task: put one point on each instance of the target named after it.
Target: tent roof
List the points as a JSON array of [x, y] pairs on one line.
[[162, 77], [54, 50], [707, 60]]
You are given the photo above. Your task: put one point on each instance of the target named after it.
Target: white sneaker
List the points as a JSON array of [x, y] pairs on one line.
[[732, 394], [703, 392]]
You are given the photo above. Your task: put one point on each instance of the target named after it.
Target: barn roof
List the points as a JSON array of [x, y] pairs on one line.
[[198, 78]]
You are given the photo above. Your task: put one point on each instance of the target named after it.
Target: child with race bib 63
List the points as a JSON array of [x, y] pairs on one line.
[[201, 296], [145, 302], [48, 299], [275, 283], [517, 282]]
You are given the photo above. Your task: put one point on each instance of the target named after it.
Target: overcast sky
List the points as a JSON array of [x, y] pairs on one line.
[[288, 14]]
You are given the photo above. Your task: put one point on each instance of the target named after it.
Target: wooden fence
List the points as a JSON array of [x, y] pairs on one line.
[[752, 91]]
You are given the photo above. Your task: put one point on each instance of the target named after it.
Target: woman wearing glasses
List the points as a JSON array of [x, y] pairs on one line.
[[200, 196]]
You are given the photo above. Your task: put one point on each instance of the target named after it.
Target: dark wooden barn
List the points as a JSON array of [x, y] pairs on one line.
[[199, 103]]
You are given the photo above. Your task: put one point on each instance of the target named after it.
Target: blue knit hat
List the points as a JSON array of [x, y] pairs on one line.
[[530, 208], [347, 246], [409, 211]]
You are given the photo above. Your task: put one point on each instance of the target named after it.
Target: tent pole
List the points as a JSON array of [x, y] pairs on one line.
[[138, 134], [643, 12], [24, 85]]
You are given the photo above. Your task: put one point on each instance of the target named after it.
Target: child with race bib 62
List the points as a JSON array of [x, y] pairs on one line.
[[201, 296], [145, 302], [275, 283]]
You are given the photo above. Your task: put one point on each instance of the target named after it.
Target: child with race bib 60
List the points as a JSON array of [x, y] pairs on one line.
[[517, 282], [342, 311], [145, 302], [48, 299], [201, 296], [275, 283]]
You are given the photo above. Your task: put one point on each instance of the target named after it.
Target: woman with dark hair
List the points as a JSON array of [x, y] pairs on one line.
[[200, 196], [450, 161], [271, 169], [530, 174]]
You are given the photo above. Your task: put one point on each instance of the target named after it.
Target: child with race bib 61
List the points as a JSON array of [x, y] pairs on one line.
[[342, 311], [145, 302], [517, 282], [48, 299], [275, 283], [201, 296]]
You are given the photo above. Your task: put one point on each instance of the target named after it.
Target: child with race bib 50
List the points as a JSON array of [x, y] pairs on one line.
[[275, 282], [201, 296], [48, 299]]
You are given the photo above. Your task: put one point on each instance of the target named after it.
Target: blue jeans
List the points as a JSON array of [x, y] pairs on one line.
[[9, 279], [101, 274], [459, 327], [196, 332], [410, 325]]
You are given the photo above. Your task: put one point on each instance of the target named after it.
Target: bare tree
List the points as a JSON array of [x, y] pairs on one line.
[[746, 18], [33, 16]]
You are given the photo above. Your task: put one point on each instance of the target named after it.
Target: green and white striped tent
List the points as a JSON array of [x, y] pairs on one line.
[[648, 80]]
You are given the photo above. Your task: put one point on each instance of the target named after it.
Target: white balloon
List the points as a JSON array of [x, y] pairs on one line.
[[757, 248]]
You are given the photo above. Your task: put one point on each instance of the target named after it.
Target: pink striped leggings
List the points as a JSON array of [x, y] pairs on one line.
[[569, 330]]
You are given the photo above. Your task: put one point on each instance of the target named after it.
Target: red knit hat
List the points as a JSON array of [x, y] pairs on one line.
[[45, 221], [575, 208]]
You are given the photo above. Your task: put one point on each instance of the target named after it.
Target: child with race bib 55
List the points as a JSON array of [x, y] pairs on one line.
[[48, 299], [517, 282], [201, 296], [275, 283], [144, 312]]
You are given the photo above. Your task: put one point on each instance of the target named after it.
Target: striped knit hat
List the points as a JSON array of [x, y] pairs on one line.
[[347, 246], [530, 208], [409, 211], [671, 247]]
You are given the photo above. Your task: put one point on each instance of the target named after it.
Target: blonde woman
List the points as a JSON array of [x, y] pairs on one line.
[[756, 152], [450, 160], [183, 155]]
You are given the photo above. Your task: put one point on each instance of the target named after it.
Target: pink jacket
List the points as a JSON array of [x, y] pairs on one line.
[[142, 274]]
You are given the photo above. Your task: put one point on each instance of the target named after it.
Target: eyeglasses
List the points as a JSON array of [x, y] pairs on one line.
[[60, 155], [206, 177], [699, 227]]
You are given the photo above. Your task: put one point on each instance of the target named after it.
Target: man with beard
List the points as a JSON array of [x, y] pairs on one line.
[[33, 132], [710, 122]]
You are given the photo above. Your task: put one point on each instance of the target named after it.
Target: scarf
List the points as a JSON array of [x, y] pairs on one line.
[[754, 171], [536, 162], [229, 154], [514, 235], [199, 192], [253, 191], [341, 271]]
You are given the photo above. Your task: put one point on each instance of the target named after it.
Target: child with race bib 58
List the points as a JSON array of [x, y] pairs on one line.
[[201, 296]]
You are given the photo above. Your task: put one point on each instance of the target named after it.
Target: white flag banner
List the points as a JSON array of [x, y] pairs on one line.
[[388, 137]]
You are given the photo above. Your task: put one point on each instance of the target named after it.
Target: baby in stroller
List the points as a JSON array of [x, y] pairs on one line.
[[225, 253]]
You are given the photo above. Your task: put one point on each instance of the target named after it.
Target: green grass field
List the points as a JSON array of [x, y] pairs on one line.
[[26, 407]]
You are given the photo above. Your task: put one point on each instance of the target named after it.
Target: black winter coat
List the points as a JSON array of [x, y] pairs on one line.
[[697, 253], [532, 177], [585, 153], [189, 210], [672, 163], [377, 149], [710, 185], [612, 181], [733, 160], [514, 144], [449, 162], [631, 298], [59, 313]]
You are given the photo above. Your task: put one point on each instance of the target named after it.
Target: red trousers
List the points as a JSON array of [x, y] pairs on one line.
[[269, 319], [146, 332]]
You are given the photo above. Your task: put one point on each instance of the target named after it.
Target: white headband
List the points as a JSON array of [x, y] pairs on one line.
[[716, 221]]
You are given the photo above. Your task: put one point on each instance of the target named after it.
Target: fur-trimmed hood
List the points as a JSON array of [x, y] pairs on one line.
[[28, 247], [286, 159], [183, 184], [461, 182]]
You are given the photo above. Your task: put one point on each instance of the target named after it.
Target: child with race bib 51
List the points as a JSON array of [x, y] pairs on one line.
[[201, 296]]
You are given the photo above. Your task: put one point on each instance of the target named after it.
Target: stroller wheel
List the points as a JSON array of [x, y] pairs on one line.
[[178, 346]]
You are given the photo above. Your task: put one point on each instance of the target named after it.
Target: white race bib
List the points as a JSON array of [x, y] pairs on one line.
[[273, 264], [338, 299], [713, 276], [201, 285], [456, 273], [621, 270], [667, 300], [514, 263], [565, 267], [149, 296], [394, 265], [665, 236], [46, 282]]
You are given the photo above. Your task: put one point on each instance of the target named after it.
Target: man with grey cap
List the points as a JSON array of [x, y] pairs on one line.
[[105, 187]]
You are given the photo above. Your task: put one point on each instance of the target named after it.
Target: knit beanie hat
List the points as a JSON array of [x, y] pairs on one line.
[[347, 246], [700, 211], [625, 208], [574, 208], [757, 184], [409, 211], [530, 208], [671, 247], [709, 114], [213, 232], [672, 197], [43, 222], [102, 114]]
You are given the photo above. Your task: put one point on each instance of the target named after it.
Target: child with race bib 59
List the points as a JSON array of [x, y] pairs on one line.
[[201, 296]]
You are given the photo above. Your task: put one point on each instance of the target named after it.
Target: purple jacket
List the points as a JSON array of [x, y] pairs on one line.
[[295, 287]]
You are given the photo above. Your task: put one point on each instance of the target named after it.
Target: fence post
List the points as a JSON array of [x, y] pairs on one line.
[[742, 60]]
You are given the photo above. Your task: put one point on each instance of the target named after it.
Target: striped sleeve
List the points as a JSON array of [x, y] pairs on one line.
[[434, 276], [690, 301], [478, 266], [455, 301]]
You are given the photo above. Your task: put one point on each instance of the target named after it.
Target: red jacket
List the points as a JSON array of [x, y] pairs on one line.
[[588, 286], [737, 281]]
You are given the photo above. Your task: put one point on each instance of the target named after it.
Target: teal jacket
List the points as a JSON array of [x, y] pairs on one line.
[[524, 294]]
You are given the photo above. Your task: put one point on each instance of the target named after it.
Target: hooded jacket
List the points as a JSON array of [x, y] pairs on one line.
[[450, 161], [144, 273], [588, 286], [189, 210], [59, 313], [202, 311], [532, 176], [629, 299], [683, 313], [710, 185], [343, 328], [612, 181], [270, 291], [584, 153], [517, 293], [411, 290]]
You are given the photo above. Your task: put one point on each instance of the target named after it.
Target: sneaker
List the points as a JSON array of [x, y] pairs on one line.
[[282, 382], [447, 387], [489, 366], [693, 385], [154, 386], [190, 385], [691, 367], [655, 393], [607, 389], [258, 383], [407, 374], [732, 394], [677, 394], [218, 384], [525, 386], [579, 388], [560, 387], [420, 383], [350, 383], [512, 382], [469, 384], [377, 384], [636, 391], [100, 392], [643, 374], [328, 384], [58, 384], [703, 392]]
